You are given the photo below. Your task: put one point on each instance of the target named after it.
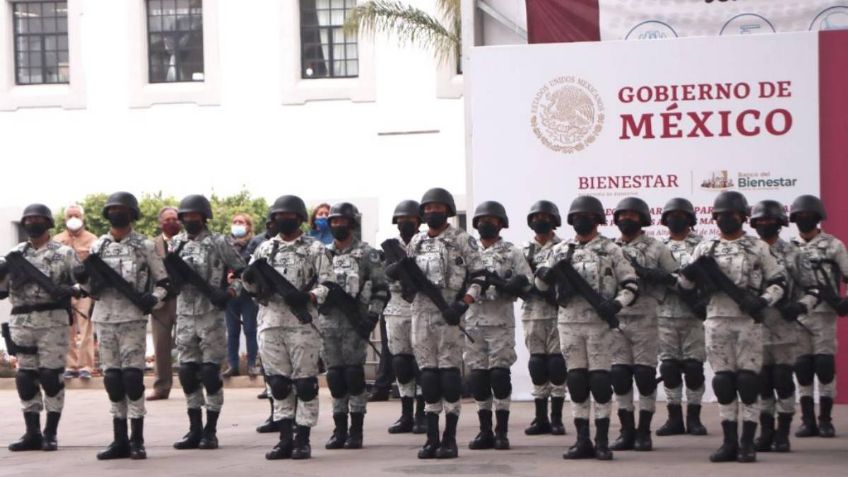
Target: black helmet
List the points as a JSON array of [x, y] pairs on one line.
[[589, 205], [679, 204], [406, 208], [769, 209], [634, 204], [490, 208], [289, 203], [730, 201], [125, 199], [545, 207], [345, 209], [195, 203], [441, 196], [38, 210], [807, 203]]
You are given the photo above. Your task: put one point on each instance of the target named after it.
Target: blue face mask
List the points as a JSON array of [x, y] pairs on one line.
[[322, 224]]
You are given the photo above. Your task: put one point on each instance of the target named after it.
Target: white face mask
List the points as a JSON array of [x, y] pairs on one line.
[[238, 231], [73, 224]]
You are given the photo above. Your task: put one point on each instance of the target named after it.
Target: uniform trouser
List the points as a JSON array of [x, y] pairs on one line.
[[542, 337], [162, 322], [399, 331], [81, 357], [52, 346], [202, 339], [819, 338], [292, 352], [735, 344], [778, 355], [635, 343], [682, 339], [493, 347], [437, 345], [343, 347], [122, 346], [587, 346]]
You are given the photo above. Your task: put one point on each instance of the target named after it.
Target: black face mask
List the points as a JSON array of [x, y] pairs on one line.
[[488, 231], [806, 224], [340, 233], [677, 225], [436, 220], [542, 227], [767, 231], [287, 226], [628, 227], [118, 220], [193, 227], [34, 230], [407, 230], [728, 224], [583, 225]]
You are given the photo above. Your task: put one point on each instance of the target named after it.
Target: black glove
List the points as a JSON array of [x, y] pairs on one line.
[[297, 299], [250, 275], [753, 304], [690, 271], [655, 275], [148, 301], [546, 274], [81, 274], [393, 271], [607, 310], [454, 312], [792, 311], [367, 324], [220, 297], [65, 292], [516, 285], [842, 307]]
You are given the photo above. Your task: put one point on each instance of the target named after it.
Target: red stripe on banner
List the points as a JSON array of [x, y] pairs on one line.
[[563, 21], [833, 130]]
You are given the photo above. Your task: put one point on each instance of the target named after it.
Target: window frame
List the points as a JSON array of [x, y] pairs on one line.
[[16, 35], [318, 28], [175, 33]]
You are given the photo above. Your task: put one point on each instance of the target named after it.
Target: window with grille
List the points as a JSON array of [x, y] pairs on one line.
[[175, 40], [326, 51], [41, 42]]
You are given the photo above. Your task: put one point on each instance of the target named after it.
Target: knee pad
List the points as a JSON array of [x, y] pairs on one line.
[[451, 383], [431, 387], [672, 373], [694, 373], [600, 382], [479, 384], [825, 368], [404, 367], [622, 378], [646, 379], [501, 382], [748, 385], [133, 383], [805, 369], [113, 381], [51, 380], [538, 367], [210, 374], [355, 380], [189, 379], [724, 386], [783, 382], [557, 369], [577, 381], [281, 386], [307, 388], [336, 382], [767, 381], [26, 380]]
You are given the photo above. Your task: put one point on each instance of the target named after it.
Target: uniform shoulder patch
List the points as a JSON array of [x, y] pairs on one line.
[[472, 243]]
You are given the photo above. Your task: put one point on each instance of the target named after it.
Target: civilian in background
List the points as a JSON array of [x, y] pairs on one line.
[[319, 225], [163, 320], [241, 311]]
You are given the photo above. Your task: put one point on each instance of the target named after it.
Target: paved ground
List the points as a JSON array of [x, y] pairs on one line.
[[86, 426]]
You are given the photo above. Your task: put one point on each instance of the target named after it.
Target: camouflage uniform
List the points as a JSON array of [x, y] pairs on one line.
[[201, 330], [398, 316], [288, 348], [121, 326]]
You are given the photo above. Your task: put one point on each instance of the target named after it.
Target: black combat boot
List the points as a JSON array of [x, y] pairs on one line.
[[730, 445], [120, 446], [583, 448], [627, 436], [420, 425], [781, 436], [301, 449], [283, 449], [826, 428], [209, 437], [49, 442], [766, 439], [486, 438], [808, 427], [674, 425], [602, 450], [195, 431], [354, 436], [541, 424], [693, 420], [270, 425], [643, 440], [448, 448], [406, 422], [137, 450], [557, 427], [32, 438], [337, 440], [501, 430], [432, 444], [747, 451]]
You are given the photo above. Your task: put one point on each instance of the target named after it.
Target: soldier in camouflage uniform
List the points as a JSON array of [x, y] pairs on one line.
[[358, 271], [681, 331], [734, 339], [40, 321], [447, 256], [398, 316], [539, 319], [635, 348], [586, 333], [824, 257], [121, 325], [201, 330], [491, 323], [780, 329], [289, 348]]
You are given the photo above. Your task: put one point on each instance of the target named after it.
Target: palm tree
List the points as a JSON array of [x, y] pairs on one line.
[[412, 25]]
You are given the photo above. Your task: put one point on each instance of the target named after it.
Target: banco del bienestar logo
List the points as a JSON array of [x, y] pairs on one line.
[[567, 114]]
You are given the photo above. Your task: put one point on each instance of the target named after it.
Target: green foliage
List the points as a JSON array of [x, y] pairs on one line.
[[224, 208]]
